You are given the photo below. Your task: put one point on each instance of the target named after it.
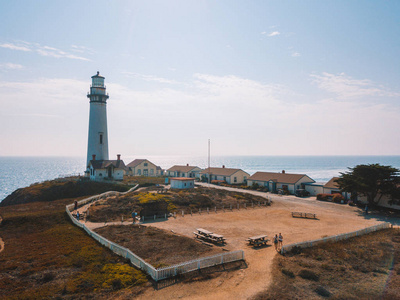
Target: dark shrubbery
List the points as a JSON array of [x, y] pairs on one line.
[[288, 273], [337, 198], [324, 197], [309, 275]]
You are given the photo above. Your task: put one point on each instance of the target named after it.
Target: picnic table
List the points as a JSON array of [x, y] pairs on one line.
[[296, 214], [258, 240], [209, 236]]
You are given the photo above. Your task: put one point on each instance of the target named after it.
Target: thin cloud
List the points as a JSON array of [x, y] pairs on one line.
[[42, 50], [274, 33], [11, 66], [346, 87], [15, 47], [150, 78], [296, 54]]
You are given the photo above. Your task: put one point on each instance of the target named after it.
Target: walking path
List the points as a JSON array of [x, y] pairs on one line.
[[1, 245]]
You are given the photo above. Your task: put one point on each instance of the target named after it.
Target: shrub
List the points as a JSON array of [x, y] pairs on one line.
[[320, 290], [324, 197], [296, 250], [337, 198], [308, 274], [288, 273]]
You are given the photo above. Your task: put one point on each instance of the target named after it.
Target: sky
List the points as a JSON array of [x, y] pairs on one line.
[[254, 77]]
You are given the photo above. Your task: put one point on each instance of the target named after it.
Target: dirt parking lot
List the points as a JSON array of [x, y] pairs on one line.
[[236, 226]]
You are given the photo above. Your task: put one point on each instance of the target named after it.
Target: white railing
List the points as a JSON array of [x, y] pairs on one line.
[[156, 274], [335, 238]]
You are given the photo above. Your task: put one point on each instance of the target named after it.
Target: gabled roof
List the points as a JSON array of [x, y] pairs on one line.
[[221, 171], [277, 177], [137, 162], [331, 184], [183, 169], [103, 164], [182, 178], [159, 168]]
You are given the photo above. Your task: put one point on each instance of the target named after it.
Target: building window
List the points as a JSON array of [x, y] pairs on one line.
[[138, 172], [145, 164], [151, 171], [234, 179], [101, 138], [145, 172]]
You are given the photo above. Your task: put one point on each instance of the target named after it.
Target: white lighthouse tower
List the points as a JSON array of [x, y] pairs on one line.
[[98, 137]]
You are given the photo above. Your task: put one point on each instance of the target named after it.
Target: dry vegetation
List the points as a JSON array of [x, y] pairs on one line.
[[366, 267], [46, 256], [116, 207], [60, 189], [156, 246]]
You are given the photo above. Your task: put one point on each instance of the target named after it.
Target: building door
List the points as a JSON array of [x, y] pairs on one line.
[[109, 172]]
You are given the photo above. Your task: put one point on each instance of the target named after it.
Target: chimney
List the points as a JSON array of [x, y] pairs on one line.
[[223, 166], [283, 171], [118, 156], [187, 165], [93, 156]]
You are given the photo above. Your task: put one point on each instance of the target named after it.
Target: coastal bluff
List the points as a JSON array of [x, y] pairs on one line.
[[59, 189]]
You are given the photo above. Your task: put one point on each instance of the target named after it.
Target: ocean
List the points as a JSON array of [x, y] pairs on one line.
[[17, 172]]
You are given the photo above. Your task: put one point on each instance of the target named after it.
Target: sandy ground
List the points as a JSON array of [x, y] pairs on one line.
[[237, 226]]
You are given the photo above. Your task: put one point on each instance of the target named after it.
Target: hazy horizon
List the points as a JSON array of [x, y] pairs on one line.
[[259, 78]]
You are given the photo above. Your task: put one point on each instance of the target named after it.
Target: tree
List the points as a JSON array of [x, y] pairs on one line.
[[372, 181]]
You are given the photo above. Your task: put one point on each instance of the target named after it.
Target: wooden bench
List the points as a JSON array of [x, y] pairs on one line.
[[296, 214], [259, 240]]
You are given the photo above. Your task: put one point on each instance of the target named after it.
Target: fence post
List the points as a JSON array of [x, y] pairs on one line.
[[165, 216], [183, 214], [208, 210], [215, 209], [199, 211], [238, 206], [245, 205], [258, 203], [191, 213], [154, 217]]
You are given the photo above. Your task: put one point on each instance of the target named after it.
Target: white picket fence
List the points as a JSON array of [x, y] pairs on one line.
[[335, 238], [156, 274]]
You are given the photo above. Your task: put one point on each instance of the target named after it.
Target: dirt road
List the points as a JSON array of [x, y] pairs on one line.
[[236, 226]]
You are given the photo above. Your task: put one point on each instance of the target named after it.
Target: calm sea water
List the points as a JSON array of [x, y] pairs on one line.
[[17, 172]]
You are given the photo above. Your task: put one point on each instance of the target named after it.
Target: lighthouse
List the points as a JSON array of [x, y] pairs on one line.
[[98, 137]]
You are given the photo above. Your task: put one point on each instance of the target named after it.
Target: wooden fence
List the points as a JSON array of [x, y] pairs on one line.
[[156, 274], [335, 238]]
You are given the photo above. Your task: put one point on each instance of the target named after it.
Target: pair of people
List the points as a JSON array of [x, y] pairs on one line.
[[278, 241]]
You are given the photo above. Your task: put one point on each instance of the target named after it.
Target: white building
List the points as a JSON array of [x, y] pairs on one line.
[[330, 187], [143, 167], [106, 169], [230, 176], [279, 181], [184, 171], [182, 183], [98, 136]]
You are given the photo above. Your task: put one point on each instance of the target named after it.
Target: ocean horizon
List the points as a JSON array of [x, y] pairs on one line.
[[18, 172]]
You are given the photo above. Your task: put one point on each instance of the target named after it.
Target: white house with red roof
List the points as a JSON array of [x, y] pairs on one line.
[[229, 175], [184, 171], [182, 183], [279, 181]]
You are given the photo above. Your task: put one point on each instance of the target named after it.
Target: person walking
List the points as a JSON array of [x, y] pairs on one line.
[[280, 240], [276, 242], [366, 209], [75, 205], [77, 215]]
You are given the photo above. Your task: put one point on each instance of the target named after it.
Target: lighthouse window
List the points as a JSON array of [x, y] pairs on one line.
[[101, 139]]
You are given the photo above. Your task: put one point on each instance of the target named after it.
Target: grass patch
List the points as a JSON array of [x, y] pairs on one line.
[[365, 267], [158, 247], [116, 207], [46, 256]]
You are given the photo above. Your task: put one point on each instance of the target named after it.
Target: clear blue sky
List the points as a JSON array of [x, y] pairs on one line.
[[256, 77]]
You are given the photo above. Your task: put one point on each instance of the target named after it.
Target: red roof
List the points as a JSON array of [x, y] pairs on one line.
[[182, 178]]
